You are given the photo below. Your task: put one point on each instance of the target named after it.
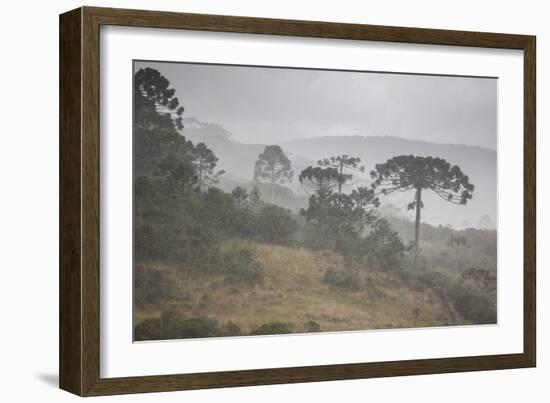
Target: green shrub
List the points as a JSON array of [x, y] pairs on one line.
[[474, 304], [472, 299], [230, 329], [275, 224], [480, 278], [274, 327], [177, 326], [343, 279], [312, 327], [241, 267], [384, 247], [197, 327], [425, 279], [151, 286]]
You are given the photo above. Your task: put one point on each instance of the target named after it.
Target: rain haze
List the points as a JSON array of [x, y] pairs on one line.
[[315, 114], [284, 200], [261, 105]]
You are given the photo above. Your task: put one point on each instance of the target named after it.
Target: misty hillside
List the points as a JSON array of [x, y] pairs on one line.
[[480, 164], [294, 278], [238, 159]]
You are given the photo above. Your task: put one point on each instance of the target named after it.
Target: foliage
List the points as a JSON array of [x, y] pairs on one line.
[[339, 220], [472, 295], [342, 164], [364, 198], [157, 118], [475, 295], [384, 247], [409, 172], [205, 162], [240, 267], [457, 241], [474, 304], [151, 286], [241, 196], [333, 218], [275, 224], [482, 279], [185, 221], [312, 327], [153, 95], [255, 198], [172, 324], [197, 327], [273, 166], [230, 329], [319, 181], [346, 280], [179, 171], [481, 251]]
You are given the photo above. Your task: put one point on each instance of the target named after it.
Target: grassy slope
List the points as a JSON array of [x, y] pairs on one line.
[[293, 291]]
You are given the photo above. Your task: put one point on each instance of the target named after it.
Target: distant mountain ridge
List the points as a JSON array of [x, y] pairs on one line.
[[381, 148], [479, 163]]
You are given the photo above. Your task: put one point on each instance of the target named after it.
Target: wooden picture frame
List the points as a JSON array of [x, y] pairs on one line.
[[79, 348]]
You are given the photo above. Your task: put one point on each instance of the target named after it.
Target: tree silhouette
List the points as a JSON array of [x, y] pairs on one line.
[[409, 172], [157, 119], [255, 198], [154, 98], [273, 166], [364, 198], [241, 196], [180, 172], [337, 216], [320, 181], [205, 162], [342, 163]]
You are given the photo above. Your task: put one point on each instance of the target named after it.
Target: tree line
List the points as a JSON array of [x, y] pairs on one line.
[[182, 216], [344, 216]]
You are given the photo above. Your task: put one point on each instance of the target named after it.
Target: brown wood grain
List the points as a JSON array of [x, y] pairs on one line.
[[80, 201], [530, 203], [70, 276]]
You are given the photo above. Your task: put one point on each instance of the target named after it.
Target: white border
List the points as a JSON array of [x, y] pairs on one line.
[[120, 357]]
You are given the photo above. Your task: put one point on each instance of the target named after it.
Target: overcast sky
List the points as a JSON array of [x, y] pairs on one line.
[[274, 105]]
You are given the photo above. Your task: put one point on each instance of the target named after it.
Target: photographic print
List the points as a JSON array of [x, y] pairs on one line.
[[278, 200]]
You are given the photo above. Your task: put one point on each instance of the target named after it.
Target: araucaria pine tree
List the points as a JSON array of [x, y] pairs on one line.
[[343, 164], [409, 172]]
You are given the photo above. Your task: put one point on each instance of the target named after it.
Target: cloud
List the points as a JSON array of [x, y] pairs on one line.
[[271, 105]]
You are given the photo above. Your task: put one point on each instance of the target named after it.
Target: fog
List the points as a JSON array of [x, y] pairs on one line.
[[274, 105]]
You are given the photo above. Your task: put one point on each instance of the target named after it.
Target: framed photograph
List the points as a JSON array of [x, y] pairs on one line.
[[249, 201]]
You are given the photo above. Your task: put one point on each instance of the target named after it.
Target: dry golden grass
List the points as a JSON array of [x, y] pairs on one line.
[[293, 291]]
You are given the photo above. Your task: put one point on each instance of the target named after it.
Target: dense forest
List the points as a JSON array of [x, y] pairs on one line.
[[225, 262]]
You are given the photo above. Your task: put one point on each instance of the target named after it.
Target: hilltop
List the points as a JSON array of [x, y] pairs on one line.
[[479, 163]]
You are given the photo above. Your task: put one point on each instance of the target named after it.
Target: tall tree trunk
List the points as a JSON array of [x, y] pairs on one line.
[[272, 185], [340, 180], [418, 203], [200, 174]]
